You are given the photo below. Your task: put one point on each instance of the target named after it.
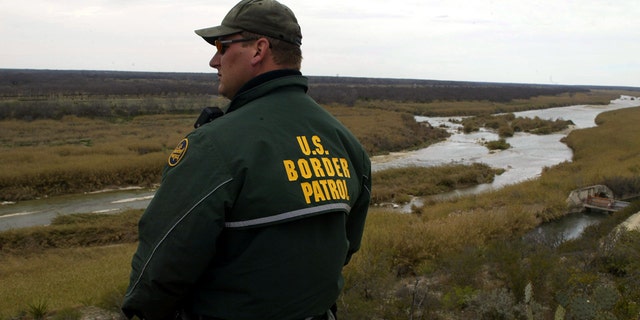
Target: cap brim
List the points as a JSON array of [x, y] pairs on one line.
[[213, 33]]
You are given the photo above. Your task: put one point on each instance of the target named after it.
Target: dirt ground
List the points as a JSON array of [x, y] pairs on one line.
[[94, 313]]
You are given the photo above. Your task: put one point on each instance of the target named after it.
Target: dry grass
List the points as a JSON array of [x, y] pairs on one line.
[[81, 259], [47, 157], [457, 108], [72, 231], [63, 278], [398, 185]]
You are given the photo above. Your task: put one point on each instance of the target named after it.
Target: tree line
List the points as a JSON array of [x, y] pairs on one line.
[[25, 82], [33, 94], [349, 94]]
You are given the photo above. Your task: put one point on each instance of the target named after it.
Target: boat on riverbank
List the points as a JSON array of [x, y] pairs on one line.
[[596, 197]]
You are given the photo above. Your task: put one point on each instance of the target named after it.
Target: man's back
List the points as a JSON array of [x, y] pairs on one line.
[[278, 210]]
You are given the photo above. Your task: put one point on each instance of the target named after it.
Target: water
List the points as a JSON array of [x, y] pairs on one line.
[[525, 160], [569, 227], [42, 211]]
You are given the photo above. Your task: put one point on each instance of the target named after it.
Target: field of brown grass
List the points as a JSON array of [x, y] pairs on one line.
[[73, 155]]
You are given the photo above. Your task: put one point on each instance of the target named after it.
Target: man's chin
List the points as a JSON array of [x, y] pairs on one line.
[[222, 92]]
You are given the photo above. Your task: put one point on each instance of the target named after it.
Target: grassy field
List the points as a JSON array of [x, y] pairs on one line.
[[65, 278], [72, 155], [458, 259], [80, 260]]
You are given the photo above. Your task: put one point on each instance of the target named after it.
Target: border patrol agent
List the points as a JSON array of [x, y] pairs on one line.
[[259, 210]]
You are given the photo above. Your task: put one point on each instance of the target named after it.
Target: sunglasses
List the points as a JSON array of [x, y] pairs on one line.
[[222, 45]]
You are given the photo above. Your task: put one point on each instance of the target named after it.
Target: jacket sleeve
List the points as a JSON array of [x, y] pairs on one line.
[[358, 214], [178, 232]]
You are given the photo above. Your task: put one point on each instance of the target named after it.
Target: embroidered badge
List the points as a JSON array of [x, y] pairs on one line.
[[178, 152]]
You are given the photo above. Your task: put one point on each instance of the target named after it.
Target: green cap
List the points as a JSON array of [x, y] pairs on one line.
[[265, 17]]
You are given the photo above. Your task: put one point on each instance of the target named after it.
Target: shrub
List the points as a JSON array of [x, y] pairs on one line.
[[39, 309], [500, 144], [459, 298]]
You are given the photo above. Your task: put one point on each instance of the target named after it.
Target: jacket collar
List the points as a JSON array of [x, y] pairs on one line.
[[265, 83]]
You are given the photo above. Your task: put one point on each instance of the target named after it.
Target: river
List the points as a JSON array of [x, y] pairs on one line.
[[42, 211], [525, 160]]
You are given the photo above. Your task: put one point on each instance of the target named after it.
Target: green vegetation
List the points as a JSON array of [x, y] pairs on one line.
[[505, 125], [500, 144]]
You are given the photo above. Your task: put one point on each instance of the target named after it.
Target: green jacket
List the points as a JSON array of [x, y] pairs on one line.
[[257, 212]]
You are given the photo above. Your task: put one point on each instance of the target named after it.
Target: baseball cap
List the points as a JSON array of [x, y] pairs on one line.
[[264, 17]]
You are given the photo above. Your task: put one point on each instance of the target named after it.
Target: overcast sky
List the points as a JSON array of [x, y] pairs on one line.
[[590, 42]]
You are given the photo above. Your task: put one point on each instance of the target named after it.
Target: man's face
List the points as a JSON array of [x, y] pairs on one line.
[[233, 63]]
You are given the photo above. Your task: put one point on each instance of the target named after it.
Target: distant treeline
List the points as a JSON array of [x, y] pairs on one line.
[[349, 94], [326, 89], [32, 94]]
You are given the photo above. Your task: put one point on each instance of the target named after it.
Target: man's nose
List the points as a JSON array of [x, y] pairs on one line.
[[215, 61]]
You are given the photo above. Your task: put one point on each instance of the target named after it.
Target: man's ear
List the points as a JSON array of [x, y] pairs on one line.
[[262, 47]]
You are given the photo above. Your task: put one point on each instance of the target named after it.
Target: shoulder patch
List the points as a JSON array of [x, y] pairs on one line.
[[178, 152]]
